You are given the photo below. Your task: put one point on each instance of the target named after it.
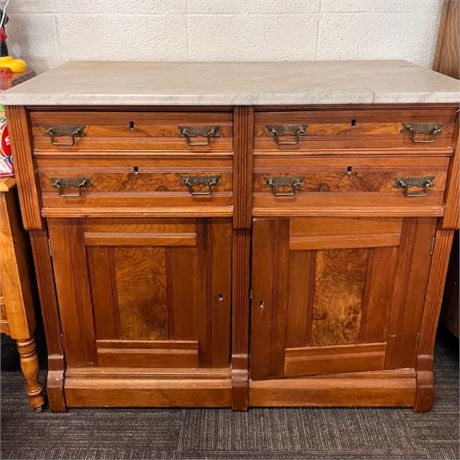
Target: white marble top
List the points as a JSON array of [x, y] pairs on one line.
[[237, 83]]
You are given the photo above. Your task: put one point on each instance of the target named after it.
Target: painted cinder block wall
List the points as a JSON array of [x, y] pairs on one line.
[[50, 32]]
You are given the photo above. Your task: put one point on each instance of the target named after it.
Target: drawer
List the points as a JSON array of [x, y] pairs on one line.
[[367, 186], [355, 129], [165, 186], [94, 132]]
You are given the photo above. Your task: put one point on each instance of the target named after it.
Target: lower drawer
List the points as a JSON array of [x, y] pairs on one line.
[[101, 187], [384, 185]]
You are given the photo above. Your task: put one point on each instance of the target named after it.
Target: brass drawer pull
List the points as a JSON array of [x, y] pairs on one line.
[[198, 181], [294, 183], [74, 182], [428, 129], [279, 131], [189, 132], [407, 183], [68, 131]]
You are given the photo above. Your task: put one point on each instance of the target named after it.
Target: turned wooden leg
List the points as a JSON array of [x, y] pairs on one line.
[[29, 365]]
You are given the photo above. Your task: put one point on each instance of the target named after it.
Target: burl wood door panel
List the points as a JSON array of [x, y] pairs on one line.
[[335, 295], [143, 292]]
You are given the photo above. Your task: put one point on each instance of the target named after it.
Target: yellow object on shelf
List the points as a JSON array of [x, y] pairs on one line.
[[15, 65]]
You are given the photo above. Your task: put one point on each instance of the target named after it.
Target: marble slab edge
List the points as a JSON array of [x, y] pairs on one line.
[[331, 97]]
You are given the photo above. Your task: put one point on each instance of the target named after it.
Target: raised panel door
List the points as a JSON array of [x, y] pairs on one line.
[[334, 295], [143, 292]]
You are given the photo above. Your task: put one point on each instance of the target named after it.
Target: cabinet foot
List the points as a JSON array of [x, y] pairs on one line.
[[240, 383], [425, 386], [55, 384], [30, 369]]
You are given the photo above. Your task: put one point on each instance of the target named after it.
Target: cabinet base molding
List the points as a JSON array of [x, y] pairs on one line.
[[380, 388], [148, 388], [88, 387]]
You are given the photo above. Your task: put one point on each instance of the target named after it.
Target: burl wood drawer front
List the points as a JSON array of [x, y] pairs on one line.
[[127, 131], [168, 186], [361, 185], [427, 129]]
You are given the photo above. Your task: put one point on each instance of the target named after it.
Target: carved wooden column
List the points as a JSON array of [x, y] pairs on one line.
[[242, 186]]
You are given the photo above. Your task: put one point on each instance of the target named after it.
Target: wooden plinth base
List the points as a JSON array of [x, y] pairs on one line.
[[144, 388], [380, 388], [127, 387]]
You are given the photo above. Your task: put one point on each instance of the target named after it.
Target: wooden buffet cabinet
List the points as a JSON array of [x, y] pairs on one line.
[[225, 253]]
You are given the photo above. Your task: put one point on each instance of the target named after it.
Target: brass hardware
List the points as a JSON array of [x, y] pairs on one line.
[[73, 182], [414, 182], [279, 131], [189, 132], [65, 130], [196, 181], [428, 129], [293, 182]]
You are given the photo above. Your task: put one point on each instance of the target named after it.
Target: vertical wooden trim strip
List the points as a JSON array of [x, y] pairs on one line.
[[240, 318], [51, 320], [242, 166], [435, 290], [431, 311], [451, 218], [169, 292], [366, 295], [21, 144], [243, 118]]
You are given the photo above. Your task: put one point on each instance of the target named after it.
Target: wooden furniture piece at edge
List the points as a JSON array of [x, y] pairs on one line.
[[447, 61], [17, 316], [448, 46]]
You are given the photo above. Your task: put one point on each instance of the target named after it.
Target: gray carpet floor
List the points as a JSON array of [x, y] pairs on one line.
[[314, 433]]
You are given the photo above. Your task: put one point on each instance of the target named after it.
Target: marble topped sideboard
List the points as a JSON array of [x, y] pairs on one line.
[[239, 234]]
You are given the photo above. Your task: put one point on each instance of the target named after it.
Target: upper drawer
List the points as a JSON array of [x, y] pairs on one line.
[[355, 129], [91, 132]]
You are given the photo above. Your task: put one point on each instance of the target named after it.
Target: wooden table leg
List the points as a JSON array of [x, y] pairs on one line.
[[29, 365]]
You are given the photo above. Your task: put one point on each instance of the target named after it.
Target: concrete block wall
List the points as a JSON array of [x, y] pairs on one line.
[[49, 32]]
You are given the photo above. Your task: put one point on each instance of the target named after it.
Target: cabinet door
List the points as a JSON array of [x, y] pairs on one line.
[[334, 295], [143, 292]]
